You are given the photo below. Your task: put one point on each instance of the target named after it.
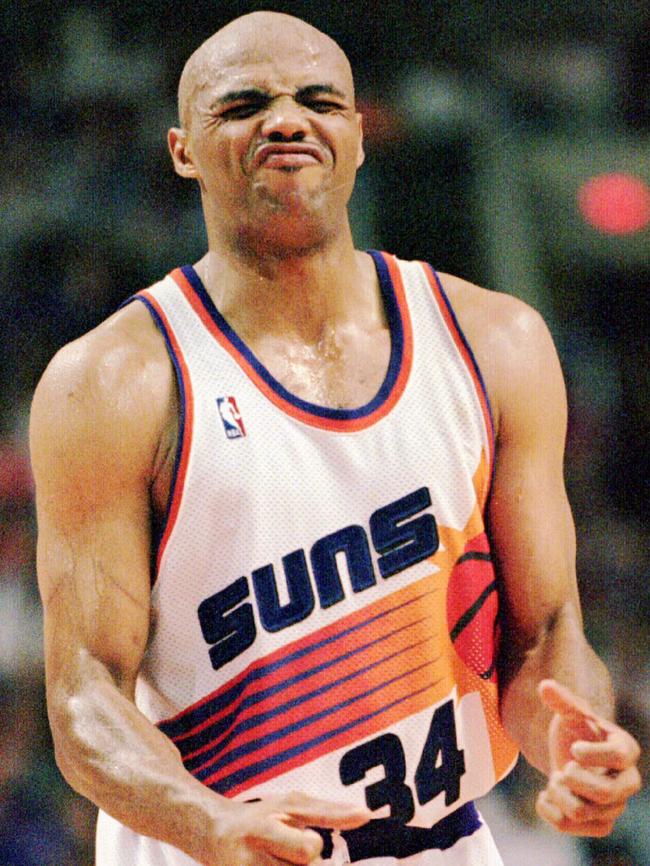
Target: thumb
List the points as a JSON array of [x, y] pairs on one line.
[[561, 700]]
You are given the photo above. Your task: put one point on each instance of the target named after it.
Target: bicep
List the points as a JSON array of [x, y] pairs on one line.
[[530, 518], [94, 583], [93, 530]]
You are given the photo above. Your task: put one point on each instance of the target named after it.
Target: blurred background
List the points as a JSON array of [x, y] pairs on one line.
[[506, 142]]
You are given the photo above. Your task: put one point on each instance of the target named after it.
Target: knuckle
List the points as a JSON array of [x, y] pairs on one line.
[[315, 847], [546, 811], [620, 760], [600, 793], [572, 770], [310, 848]]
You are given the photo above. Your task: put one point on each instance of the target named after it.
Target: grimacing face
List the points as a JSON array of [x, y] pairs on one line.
[[272, 134]]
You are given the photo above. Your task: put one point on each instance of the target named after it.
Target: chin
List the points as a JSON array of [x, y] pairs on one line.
[[284, 234], [289, 189]]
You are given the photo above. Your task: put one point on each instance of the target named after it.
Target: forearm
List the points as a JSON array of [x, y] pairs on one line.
[[562, 653], [111, 754]]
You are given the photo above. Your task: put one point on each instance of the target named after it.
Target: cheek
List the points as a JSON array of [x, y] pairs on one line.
[[222, 158], [235, 150]]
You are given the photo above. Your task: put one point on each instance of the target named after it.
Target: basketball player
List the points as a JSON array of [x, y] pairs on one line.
[[298, 435]]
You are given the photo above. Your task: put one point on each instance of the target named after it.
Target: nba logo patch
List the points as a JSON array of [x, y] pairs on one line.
[[233, 423]]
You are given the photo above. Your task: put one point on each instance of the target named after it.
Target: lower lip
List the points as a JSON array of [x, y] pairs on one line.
[[289, 160]]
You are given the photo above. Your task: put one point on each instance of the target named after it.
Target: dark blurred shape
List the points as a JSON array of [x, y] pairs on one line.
[[636, 98], [40, 820]]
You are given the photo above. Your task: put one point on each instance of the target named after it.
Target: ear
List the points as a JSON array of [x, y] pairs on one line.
[[361, 154], [177, 140]]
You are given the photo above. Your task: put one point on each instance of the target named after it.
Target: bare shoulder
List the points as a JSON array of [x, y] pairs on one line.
[[488, 317], [124, 343], [111, 389], [511, 342]]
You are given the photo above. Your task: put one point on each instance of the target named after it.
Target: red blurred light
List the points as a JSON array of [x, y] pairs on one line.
[[616, 203]]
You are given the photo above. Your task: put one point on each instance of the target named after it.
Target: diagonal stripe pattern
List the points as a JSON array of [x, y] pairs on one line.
[[337, 685]]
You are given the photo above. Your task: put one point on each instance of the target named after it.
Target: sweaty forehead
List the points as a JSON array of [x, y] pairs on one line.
[[264, 50]]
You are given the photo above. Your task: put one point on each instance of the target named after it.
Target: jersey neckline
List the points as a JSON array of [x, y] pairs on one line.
[[401, 335]]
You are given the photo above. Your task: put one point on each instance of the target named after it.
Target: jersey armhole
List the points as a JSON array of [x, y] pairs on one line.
[[185, 425], [465, 350]]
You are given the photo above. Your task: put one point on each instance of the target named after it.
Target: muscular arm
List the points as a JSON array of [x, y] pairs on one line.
[[565, 731], [97, 422], [534, 540], [93, 454]]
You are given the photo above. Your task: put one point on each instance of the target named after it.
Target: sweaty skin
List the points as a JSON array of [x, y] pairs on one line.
[[271, 135], [226, 46]]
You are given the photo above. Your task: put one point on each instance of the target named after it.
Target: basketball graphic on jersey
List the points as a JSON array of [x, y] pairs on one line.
[[472, 608]]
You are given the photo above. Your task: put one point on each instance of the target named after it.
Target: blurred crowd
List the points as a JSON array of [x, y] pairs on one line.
[[471, 117]]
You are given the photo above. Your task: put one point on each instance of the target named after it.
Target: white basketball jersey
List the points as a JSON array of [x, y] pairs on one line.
[[325, 603]]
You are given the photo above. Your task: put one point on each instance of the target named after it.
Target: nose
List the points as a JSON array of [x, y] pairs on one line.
[[285, 120]]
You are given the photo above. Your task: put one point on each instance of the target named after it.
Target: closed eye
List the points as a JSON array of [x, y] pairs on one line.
[[241, 112], [323, 106]]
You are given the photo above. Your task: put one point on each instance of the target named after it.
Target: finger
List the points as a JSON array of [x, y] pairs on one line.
[[269, 860], [554, 816], [561, 797], [600, 788], [618, 752], [314, 812], [560, 699], [577, 809], [564, 797], [277, 861], [547, 810], [299, 846]]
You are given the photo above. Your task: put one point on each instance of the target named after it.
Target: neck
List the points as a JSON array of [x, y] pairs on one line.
[[294, 294]]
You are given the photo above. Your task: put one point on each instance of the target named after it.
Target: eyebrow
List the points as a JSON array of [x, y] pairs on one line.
[[256, 93]]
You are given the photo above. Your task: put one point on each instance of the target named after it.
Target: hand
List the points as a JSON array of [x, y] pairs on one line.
[[275, 831], [593, 766]]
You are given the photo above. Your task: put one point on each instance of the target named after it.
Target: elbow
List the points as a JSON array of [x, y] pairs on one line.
[[70, 727], [66, 766]]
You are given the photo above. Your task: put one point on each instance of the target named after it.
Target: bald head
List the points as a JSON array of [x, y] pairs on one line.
[[255, 39]]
